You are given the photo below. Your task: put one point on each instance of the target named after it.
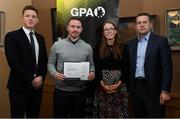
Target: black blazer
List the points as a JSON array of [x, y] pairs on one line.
[[158, 65], [20, 59]]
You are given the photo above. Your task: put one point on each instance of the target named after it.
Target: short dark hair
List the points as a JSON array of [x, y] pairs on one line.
[[75, 18], [29, 7], [145, 14]]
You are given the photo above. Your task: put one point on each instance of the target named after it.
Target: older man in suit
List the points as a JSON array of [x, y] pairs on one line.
[[27, 58], [148, 59]]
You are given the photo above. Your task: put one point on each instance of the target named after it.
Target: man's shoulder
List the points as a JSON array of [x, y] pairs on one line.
[[132, 41], [14, 32], [85, 43], [39, 35], [158, 37], [58, 42]]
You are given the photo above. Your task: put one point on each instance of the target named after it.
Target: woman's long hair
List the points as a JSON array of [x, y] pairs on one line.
[[117, 45]]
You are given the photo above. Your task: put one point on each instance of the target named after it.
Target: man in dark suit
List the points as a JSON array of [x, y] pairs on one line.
[[27, 58], [148, 59]]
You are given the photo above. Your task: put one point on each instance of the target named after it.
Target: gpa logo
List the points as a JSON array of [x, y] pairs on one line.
[[97, 12]]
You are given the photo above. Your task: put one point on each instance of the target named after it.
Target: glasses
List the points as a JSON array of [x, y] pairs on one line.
[[109, 29]]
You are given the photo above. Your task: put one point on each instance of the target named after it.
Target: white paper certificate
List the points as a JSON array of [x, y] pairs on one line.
[[76, 70], [84, 70]]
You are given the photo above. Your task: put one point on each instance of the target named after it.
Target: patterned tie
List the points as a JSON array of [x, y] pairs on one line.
[[32, 45]]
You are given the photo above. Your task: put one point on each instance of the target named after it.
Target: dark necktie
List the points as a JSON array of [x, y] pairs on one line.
[[32, 45]]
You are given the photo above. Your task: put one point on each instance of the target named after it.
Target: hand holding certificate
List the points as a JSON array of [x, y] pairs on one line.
[[76, 70]]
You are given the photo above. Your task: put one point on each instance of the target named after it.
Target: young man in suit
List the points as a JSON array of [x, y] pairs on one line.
[[148, 59], [27, 58]]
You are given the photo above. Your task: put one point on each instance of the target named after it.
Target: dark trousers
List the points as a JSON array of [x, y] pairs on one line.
[[143, 104], [25, 103], [69, 103]]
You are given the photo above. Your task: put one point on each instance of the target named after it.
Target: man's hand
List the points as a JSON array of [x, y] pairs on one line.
[[37, 82], [59, 76], [91, 76], [164, 97]]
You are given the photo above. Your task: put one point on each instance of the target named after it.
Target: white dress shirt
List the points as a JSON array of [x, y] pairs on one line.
[[27, 31]]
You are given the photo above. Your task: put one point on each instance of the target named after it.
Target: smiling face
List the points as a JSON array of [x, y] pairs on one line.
[[30, 19], [74, 28], [109, 32], [143, 25]]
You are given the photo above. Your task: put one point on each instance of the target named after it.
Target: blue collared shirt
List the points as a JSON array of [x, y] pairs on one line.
[[140, 58]]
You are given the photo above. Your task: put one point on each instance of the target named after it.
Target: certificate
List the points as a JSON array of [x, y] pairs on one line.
[[84, 70], [76, 70]]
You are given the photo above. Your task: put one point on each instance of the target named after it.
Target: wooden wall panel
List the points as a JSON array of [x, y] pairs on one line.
[[47, 102]]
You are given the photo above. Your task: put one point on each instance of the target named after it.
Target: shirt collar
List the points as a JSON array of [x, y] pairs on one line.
[[27, 31], [146, 37], [74, 42]]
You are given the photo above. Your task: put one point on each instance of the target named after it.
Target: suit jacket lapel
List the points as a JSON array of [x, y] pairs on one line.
[[149, 47], [26, 42], [134, 54], [25, 39]]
